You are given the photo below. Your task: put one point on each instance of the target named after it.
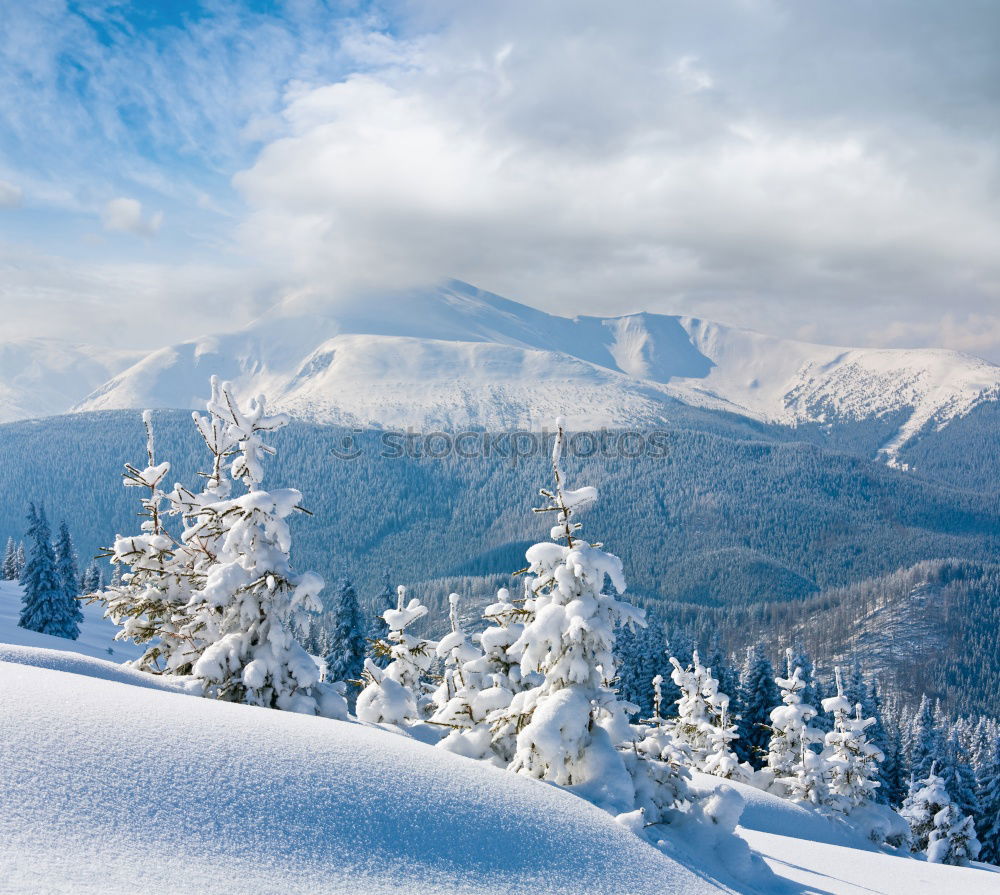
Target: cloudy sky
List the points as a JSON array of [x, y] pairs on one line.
[[823, 169]]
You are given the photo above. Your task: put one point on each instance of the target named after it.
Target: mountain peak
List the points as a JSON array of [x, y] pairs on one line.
[[455, 356]]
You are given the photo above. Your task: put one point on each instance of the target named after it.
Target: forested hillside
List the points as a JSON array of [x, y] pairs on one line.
[[728, 517]]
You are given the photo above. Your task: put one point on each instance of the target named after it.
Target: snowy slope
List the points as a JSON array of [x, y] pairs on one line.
[[42, 377], [454, 356], [97, 634], [112, 788]]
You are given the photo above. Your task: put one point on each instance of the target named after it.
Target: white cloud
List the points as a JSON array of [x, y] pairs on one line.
[[600, 168], [124, 215], [754, 162], [10, 195]]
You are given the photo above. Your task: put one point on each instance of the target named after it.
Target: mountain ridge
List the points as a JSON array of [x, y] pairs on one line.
[[454, 356]]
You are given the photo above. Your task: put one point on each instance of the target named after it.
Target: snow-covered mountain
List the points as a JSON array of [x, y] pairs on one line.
[[455, 356]]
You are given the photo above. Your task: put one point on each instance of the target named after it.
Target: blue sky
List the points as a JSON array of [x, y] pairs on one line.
[[827, 169]]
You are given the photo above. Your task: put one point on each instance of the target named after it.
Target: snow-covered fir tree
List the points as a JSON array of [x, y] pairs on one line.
[[222, 602], [758, 695], [149, 600], [937, 827], [922, 742], [22, 559], [501, 672], [573, 719], [798, 771], [851, 759], [641, 655], [811, 691], [658, 765], [397, 694], [345, 639], [459, 705], [249, 602], [694, 713], [720, 759], [92, 579], [66, 566], [703, 723], [955, 768], [9, 570], [46, 606]]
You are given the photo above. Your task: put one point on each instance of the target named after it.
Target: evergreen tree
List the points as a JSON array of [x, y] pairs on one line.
[[21, 560], [396, 694], [937, 827], [503, 672], [46, 607], [345, 646], [922, 742], [66, 566], [249, 603], [758, 695], [955, 768], [851, 759], [988, 795], [569, 640], [9, 570], [642, 655], [31, 535], [92, 580], [658, 765], [385, 599], [458, 700], [798, 771]]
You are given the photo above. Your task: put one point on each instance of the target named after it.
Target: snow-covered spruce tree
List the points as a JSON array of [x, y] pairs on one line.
[[397, 693], [248, 601], [66, 566], [658, 765], [570, 724], [92, 580], [703, 724], [345, 641], [500, 673], [922, 742], [149, 600], [758, 695], [958, 774], [851, 759], [937, 827], [9, 570], [46, 606], [385, 599], [798, 771], [459, 700], [694, 719], [720, 759]]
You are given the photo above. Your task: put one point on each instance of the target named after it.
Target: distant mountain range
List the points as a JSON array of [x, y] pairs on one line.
[[456, 357]]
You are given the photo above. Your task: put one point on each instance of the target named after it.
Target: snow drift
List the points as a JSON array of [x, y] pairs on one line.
[[113, 788]]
